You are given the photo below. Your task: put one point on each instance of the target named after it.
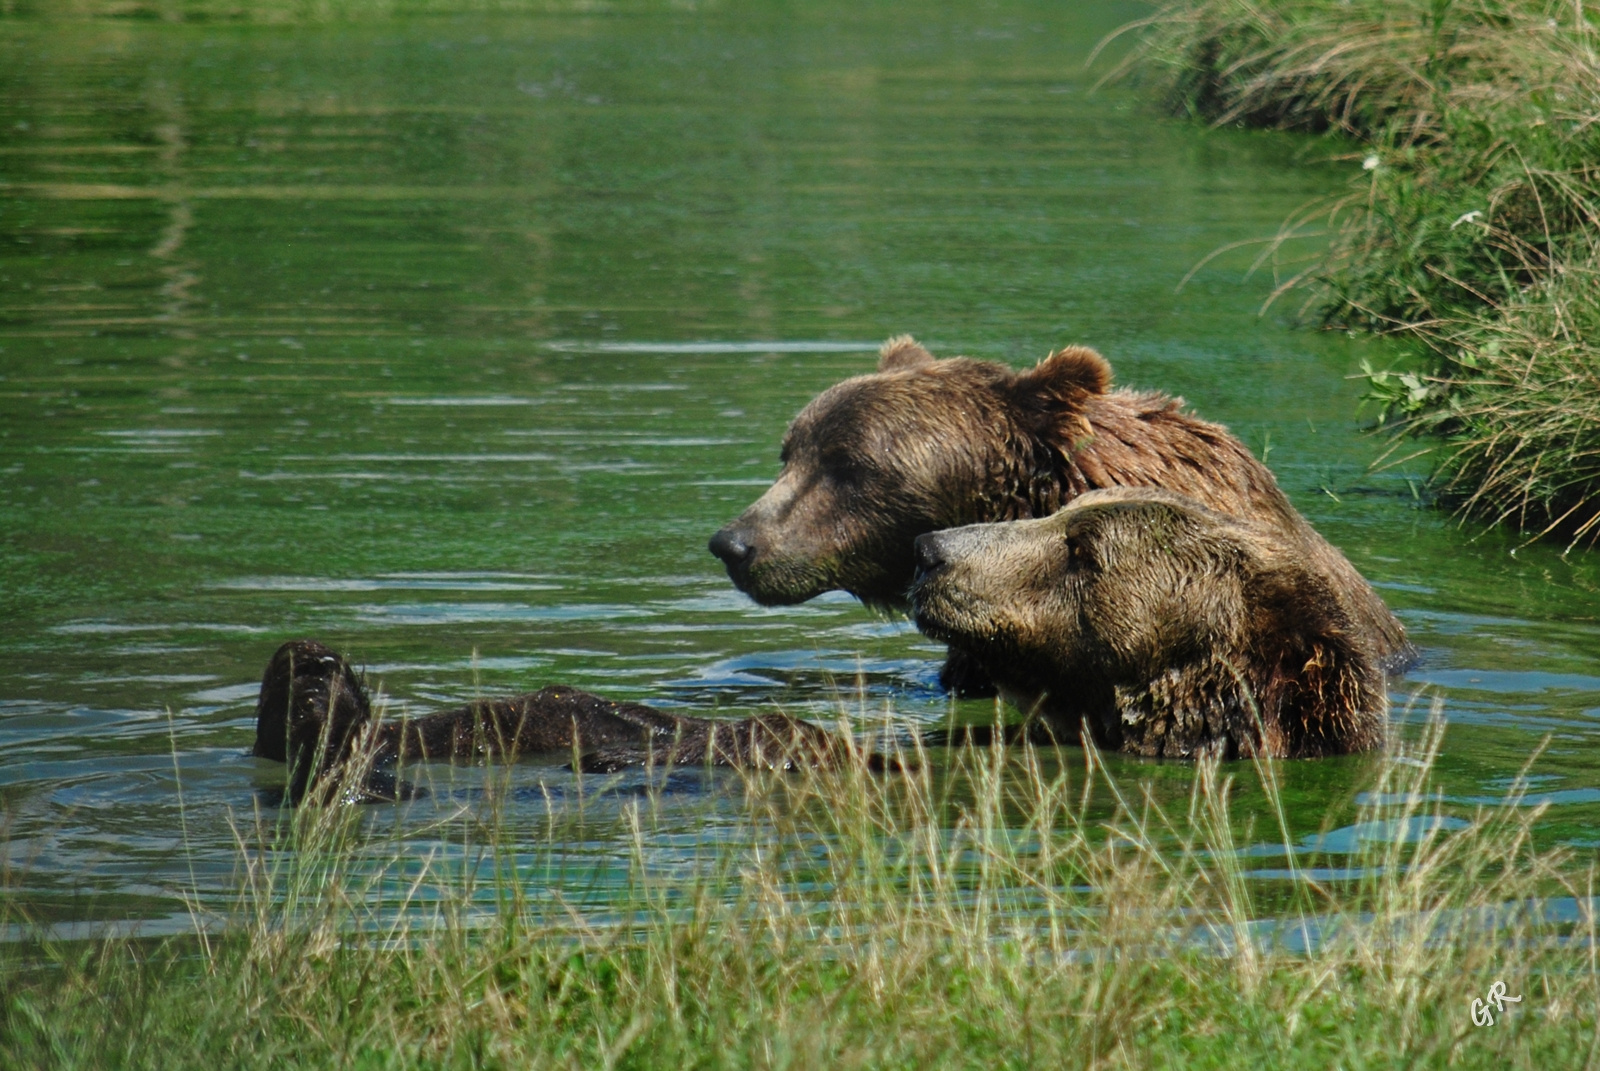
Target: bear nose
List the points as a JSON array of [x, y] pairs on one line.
[[928, 557], [732, 546]]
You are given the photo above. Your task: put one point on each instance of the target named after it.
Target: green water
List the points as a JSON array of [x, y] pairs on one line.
[[450, 341]]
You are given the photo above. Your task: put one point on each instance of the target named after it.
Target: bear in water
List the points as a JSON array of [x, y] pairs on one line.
[[1158, 627], [925, 444], [314, 714]]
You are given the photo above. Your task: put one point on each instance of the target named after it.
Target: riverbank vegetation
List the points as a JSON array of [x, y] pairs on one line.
[[973, 913], [1472, 227]]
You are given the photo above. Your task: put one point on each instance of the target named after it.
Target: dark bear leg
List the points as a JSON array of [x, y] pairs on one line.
[[312, 705]]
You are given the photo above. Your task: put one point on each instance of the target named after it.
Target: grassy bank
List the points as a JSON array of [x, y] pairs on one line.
[[1472, 225], [979, 919]]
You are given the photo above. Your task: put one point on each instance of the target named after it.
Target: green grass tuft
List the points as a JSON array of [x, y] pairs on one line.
[[1473, 229]]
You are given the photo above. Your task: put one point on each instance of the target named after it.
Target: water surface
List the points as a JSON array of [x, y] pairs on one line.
[[449, 341]]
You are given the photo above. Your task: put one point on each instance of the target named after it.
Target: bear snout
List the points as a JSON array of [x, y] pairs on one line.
[[735, 547], [928, 555], [938, 600]]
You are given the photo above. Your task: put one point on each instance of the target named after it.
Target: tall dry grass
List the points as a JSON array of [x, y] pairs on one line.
[[971, 913]]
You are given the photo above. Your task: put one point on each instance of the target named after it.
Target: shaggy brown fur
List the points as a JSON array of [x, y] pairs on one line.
[[1160, 626], [925, 444], [315, 714]]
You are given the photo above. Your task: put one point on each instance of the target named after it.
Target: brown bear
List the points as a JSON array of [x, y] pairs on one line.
[[314, 713], [1159, 627], [925, 444]]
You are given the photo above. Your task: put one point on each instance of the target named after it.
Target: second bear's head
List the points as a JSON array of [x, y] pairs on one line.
[[1124, 581], [1168, 627], [920, 445]]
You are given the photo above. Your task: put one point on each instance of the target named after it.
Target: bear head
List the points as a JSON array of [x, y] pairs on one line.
[[921, 444], [1163, 627]]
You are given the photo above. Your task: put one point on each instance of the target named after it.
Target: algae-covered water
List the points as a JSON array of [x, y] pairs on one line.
[[450, 340]]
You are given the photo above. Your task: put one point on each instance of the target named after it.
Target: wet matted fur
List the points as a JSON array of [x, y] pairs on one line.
[[314, 713], [1159, 626], [925, 444]]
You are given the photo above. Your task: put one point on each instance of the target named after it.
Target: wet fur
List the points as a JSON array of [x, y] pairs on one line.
[[1159, 627], [314, 713], [925, 444]]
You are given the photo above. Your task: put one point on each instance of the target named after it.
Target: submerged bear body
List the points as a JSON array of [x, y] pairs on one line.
[[1158, 627], [314, 714], [926, 444]]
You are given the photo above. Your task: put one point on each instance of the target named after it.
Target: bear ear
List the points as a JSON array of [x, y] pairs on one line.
[[1066, 375], [902, 353]]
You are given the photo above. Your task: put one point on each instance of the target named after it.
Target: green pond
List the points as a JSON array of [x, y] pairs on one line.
[[450, 341]]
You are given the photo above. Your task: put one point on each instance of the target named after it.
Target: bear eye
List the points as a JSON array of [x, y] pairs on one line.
[[844, 467], [1078, 551]]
